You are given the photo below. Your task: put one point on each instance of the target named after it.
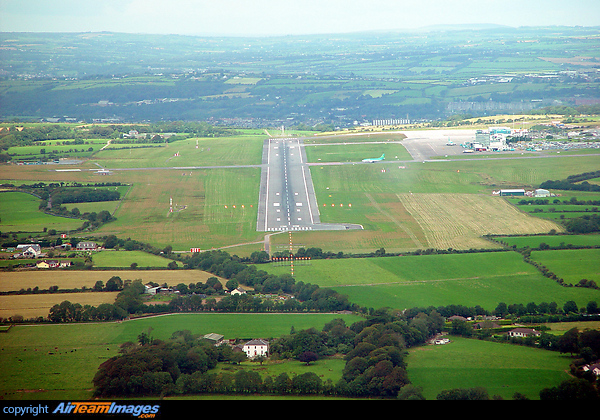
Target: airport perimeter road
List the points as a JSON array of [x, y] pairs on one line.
[[287, 199]]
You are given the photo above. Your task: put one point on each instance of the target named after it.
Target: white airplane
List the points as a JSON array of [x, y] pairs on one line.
[[373, 160]]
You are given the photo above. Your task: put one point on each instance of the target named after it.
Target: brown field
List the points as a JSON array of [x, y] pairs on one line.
[[459, 220], [32, 306], [70, 279]]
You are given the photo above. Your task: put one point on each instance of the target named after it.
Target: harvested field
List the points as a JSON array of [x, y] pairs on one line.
[[32, 306], [460, 220], [71, 279]]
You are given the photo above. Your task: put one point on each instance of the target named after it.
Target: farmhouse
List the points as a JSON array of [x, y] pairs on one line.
[[255, 348], [594, 368], [153, 290], [28, 251], [47, 264], [485, 324], [53, 264], [238, 291], [457, 318], [523, 332], [87, 246]]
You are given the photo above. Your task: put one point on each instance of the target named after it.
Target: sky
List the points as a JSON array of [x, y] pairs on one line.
[[283, 17]]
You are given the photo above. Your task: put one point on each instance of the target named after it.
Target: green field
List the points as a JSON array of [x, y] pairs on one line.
[[237, 150], [484, 279], [56, 150], [502, 369], [19, 213], [119, 259], [203, 214], [559, 207], [572, 265], [552, 240], [29, 371]]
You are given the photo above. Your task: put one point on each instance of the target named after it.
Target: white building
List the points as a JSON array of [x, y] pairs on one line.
[[87, 246], [29, 251], [255, 348], [523, 332], [542, 193], [238, 291]]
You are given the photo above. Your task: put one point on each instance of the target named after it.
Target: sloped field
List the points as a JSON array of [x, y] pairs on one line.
[[460, 220]]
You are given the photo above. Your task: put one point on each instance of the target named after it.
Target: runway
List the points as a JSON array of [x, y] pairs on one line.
[[287, 199]]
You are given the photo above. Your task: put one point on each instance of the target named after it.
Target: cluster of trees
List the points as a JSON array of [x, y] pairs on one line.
[[128, 301], [15, 136], [374, 350], [75, 312], [44, 190], [545, 308], [153, 366], [64, 195], [568, 185], [583, 224]]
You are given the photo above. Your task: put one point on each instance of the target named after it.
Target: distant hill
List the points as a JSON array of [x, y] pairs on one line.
[[463, 27], [339, 79]]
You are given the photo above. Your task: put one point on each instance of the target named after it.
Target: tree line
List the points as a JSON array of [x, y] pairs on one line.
[[574, 182], [64, 195]]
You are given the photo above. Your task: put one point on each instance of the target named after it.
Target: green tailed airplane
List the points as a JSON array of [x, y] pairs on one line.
[[373, 160]]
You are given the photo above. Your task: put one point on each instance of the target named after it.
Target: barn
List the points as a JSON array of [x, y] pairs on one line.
[[512, 193]]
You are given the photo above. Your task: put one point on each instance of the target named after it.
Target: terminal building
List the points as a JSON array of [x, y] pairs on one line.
[[380, 123], [494, 138]]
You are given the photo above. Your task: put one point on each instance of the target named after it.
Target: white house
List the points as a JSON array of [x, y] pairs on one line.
[[238, 291], [594, 368], [255, 348], [29, 250], [87, 246], [523, 332]]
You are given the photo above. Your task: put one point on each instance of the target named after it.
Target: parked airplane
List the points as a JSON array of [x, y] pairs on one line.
[[373, 160]]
